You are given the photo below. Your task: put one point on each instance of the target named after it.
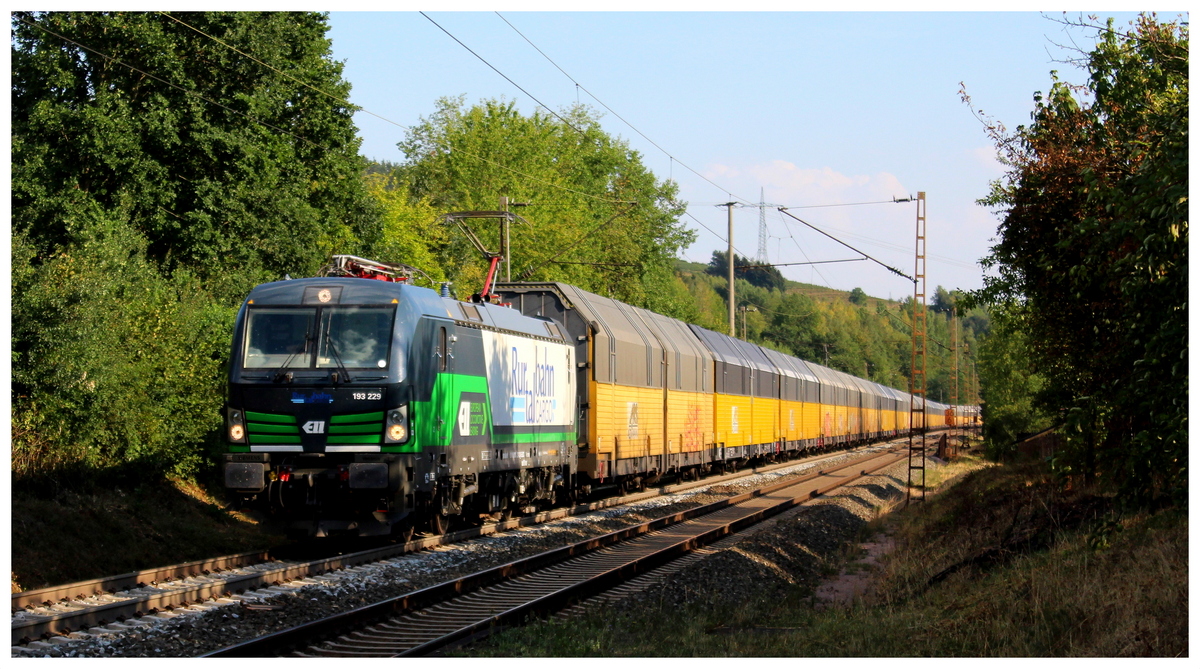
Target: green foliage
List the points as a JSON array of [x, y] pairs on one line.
[[1009, 385], [944, 301], [113, 364], [858, 296], [411, 233], [145, 205], [598, 218], [231, 169], [1093, 250], [746, 269]]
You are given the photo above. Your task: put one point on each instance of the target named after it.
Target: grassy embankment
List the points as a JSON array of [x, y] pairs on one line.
[[1005, 563], [80, 535]]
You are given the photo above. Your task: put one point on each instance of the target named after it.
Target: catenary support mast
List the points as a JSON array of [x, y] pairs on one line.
[[917, 382]]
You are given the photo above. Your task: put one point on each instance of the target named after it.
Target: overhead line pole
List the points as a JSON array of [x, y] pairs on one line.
[[954, 403]]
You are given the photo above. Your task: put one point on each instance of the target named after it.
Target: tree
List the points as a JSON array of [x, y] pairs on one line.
[[859, 297], [230, 168], [943, 301], [1010, 385], [746, 269], [411, 232], [157, 175], [598, 218], [1093, 251]]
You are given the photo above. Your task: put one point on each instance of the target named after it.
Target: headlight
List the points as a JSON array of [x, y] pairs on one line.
[[396, 431], [237, 426]]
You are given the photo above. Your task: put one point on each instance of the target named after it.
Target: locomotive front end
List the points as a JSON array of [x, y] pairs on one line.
[[317, 419]]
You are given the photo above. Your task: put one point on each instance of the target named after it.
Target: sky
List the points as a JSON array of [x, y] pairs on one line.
[[799, 109]]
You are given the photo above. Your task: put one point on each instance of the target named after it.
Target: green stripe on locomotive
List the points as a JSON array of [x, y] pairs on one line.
[[427, 431]]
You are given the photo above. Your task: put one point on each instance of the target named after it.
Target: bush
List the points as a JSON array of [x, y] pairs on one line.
[[112, 363]]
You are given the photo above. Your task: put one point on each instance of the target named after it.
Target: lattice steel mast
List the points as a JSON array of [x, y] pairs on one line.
[[762, 228], [916, 384]]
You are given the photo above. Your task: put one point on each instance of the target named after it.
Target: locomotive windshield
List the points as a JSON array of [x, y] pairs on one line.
[[278, 338], [350, 337], [355, 337]]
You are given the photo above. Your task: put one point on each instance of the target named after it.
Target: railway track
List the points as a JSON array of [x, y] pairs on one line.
[[112, 601], [465, 609]]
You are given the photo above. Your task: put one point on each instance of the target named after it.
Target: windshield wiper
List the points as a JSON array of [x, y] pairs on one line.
[[341, 367], [282, 376]]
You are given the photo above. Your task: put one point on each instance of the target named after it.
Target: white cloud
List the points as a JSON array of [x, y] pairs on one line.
[[985, 156], [787, 183], [722, 171]]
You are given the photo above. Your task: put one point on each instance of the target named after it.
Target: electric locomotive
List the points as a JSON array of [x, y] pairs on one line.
[[364, 405]]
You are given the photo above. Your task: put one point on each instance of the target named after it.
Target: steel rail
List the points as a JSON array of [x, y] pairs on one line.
[[74, 611], [483, 591], [110, 584]]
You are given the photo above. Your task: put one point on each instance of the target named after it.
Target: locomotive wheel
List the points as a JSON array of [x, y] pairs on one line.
[[439, 523]]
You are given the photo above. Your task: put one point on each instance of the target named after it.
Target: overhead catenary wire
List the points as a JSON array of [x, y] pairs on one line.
[[812, 206], [398, 125], [579, 86], [528, 272], [867, 240], [909, 326], [896, 247], [497, 71], [801, 249], [878, 262], [790, 264], [726, 241], [844, 204], [945, 260]]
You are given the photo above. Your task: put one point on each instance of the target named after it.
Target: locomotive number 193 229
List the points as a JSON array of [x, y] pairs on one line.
[[368, 396]]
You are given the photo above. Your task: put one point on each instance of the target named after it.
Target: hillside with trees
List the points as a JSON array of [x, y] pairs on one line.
[[848, 331]]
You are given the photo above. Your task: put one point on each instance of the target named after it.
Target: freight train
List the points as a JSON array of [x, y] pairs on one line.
[[365, 407]]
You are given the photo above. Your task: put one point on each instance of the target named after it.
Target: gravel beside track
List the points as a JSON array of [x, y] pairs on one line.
[[221, 623], [769, 560]]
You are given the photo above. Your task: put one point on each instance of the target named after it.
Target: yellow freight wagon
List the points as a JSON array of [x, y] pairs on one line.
[[661, 397], [746, 402], [649, 408]]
